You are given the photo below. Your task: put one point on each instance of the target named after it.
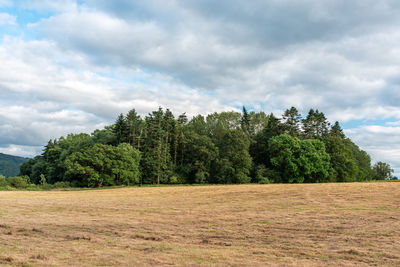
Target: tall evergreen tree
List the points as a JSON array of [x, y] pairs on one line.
[[259, 150], [336, 130], [179, 139], [121, 130], [315, 125], [245, 123], [234, 163], [291, 122], [135, 128]]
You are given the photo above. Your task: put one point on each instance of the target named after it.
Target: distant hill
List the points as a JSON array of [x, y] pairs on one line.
[[9, 165]]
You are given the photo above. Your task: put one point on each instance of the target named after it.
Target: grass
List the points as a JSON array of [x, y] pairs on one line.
[[351, 224]]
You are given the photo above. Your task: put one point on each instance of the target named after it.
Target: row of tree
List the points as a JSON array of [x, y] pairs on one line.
[[226, 147]]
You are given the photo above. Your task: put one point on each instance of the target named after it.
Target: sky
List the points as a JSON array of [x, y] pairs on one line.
[[70, 66]]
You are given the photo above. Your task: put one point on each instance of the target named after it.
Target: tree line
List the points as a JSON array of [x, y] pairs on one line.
[[221, 148]]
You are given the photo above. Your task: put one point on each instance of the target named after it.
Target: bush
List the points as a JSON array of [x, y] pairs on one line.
[[46, 186], [32, 187], [264, 180], [19, 182], [42, 179], [62, 185], [3, 181], [56, 185], [264, 175], [173, 180], [241, 178], [200, 178]]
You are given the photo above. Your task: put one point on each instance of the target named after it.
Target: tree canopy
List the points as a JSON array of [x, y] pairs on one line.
[[225, 147]]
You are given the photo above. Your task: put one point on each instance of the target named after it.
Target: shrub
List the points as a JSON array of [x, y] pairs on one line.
[[264, 180], [46, 186], [173, 180], [200, 178], [19, 182], [32, 187], [3, 181], [42, 179], [62, 185], [265, 175], [242, 178]]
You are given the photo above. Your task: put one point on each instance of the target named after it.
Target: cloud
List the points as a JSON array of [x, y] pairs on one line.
[[48, 5], [277, 52], [46, 93], [382, 142], [6, 18], [5, 3], [22, 151], [91, 60]]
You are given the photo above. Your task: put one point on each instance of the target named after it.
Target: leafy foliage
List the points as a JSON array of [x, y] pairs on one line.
[[3, 181], [19, 182], [104, 165], [226, 147], [299, 160], [382, 171]]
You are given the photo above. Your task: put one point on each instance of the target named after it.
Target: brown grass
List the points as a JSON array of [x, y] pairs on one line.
[[240, 225]]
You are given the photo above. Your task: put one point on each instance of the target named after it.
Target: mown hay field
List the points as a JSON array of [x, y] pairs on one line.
[[351, 224]]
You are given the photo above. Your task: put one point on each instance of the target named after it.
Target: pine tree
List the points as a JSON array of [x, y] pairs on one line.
[[315, 125], [245, 123], [121, 130], [336, 130], [135, 128], [291, 122]]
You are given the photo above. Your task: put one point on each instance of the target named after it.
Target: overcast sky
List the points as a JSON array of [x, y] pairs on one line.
[[72, 66]]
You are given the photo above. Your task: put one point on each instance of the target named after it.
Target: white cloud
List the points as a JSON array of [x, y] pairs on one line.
[[22, 151], [100, 58], [43, 95], [345, 78], [48, 5], [6, 18], [5, 3], [382, 142]]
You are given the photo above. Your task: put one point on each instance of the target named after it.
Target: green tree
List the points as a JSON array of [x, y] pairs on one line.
[[363, 161], [291, 122], [382, 171], [343, 162], [315, 125], [299, 160], [102, 165], [199, 156], [26, 167], [258, 121], [57, 151], [234, 163], [105, 136], [259, 149], [121, 130], [179, 138], [245, 123], [40, 167], [336, 130], [136, 129], [156, 163], [218, 124], [221, 148]]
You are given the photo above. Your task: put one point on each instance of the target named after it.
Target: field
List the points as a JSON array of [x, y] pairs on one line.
[[240, 225]]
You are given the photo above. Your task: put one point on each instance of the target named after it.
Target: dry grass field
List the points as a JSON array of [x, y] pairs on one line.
[[240, 225]]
